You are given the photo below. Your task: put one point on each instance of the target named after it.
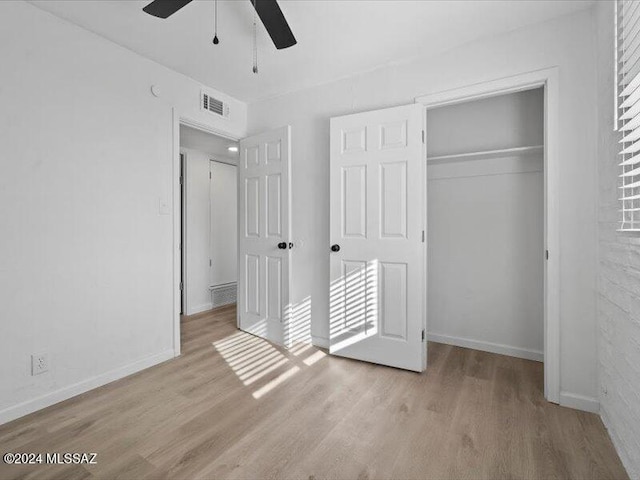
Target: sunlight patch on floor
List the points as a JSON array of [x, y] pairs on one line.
[[275, 382], [252, 359], [311, 359], [299, 349]]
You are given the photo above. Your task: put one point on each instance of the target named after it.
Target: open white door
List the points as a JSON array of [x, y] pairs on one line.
[[378, 281], [264, 234]]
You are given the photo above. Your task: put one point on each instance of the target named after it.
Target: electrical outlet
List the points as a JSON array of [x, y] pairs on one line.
[[39, 364]]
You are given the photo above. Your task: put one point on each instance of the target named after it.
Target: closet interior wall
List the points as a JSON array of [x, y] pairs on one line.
[[485, 224]]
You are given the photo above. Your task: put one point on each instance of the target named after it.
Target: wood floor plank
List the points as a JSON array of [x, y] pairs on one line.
[[236, 407]]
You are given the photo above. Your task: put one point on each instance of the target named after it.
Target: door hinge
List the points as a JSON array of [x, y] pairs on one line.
[[423, 335], [181, 286], [547, 254], [422, 236], [181, 180], [209, 262], [423, 135], [209, 175]]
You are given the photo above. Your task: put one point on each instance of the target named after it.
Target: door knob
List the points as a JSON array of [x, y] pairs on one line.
[[335, 248], [282, 245]]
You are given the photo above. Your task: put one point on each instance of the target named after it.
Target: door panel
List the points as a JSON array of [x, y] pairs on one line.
[[354, 140], [252, 284], [377, 186], [264, 197], [274, 288], [354, 295], [393, 194], [252, 207], [252, 156], [274, 206], [393, 135], [354, 201], [393, 299]]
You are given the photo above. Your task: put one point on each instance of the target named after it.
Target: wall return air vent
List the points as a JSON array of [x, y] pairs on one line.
[[213, 105]]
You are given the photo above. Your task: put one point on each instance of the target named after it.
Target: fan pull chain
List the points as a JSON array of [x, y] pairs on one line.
[[215, 35], [255, 40]]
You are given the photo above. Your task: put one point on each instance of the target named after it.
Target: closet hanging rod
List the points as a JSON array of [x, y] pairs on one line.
[[487, 153]]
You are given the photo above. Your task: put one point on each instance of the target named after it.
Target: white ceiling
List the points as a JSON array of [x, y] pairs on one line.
[[215, 146], [336, 38]]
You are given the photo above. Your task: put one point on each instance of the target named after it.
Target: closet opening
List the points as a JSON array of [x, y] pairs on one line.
[[486, 224]]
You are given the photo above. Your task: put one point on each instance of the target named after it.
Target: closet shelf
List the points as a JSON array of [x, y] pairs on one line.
[[505, 152]]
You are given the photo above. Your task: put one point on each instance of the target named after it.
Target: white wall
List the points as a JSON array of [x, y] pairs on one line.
[[566, 42], [224, 223], [619, 274], [485, 225], [86, 258]]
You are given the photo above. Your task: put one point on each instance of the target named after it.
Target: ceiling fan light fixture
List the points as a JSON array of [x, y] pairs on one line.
[[215, 20]]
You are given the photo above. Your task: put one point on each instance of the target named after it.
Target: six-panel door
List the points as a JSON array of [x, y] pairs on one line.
[[377, 267], [264, 234]]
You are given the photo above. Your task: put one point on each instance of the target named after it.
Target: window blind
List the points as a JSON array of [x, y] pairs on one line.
[[627, 62]]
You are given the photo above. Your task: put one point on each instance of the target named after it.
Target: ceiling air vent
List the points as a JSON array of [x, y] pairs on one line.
[[213, 105]]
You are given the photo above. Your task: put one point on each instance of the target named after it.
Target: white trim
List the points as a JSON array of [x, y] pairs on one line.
[[491, 88], [320, 342], [57, 396], [177, 233], [579, 402], [200, 308], [501, 349], [425, 258], [204, 127], [184, 274], [180, 119], [547, 78]]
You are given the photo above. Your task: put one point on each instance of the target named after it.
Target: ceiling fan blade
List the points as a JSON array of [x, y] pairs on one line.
[[165, 8], [275, 23]]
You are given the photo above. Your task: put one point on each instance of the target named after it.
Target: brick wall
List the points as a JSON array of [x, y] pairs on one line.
[[619, 273]]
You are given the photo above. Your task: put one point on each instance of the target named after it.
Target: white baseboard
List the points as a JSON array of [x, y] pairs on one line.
[[199, 309], [579, 402], [518, 352], [321, 342], [30, 406]]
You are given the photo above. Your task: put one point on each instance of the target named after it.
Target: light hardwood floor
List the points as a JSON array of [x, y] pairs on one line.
[[232, 406]]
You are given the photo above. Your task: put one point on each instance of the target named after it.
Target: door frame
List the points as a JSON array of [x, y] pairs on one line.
[[183, 232], [547, 79], [178, 119]]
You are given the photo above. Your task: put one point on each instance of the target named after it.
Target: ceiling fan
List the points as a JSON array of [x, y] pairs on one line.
[[268, 11]]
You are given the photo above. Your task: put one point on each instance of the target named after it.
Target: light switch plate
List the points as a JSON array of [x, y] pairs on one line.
[[163, 207]]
